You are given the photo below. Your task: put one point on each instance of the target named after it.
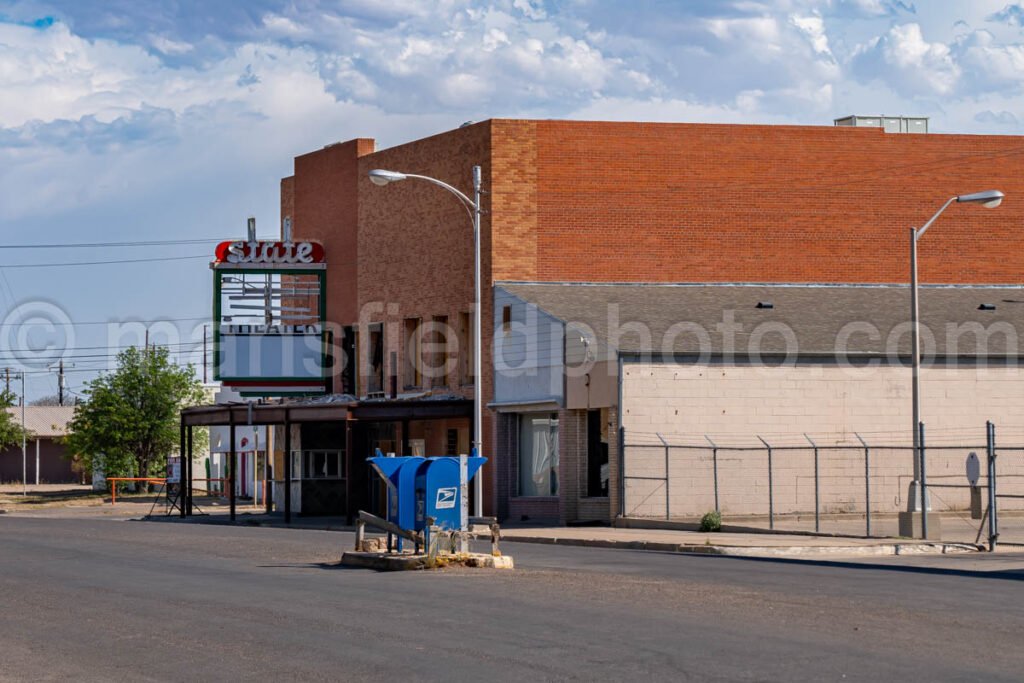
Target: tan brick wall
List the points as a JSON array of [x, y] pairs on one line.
[[734, 404]]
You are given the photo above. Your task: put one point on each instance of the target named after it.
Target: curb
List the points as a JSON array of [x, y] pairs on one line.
[[880, 549]]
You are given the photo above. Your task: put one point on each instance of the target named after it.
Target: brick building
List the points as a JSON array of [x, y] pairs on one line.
[[585, 203]]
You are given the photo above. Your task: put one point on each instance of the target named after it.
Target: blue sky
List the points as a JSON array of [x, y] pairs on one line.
[[158, 120]]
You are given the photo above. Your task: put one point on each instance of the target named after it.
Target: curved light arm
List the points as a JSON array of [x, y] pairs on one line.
[[382, 177], [440, 183], [931, 220], [990, 199]]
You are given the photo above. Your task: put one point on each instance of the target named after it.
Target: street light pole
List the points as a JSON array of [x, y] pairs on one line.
[[478, 397], [990, 199], [383, 177]]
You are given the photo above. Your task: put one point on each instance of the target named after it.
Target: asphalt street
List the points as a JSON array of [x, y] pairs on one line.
[[107, 599]]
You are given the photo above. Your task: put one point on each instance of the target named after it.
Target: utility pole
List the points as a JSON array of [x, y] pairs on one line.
[[7, 372], [60, 384]]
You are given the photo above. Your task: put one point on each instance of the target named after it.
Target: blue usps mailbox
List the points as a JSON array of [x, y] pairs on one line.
[[438, 493], [400, 475]]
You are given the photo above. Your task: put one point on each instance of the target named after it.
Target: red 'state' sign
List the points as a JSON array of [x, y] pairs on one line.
[[270, 252]]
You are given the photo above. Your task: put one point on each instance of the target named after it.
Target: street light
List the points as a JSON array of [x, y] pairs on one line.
[[382, 177], [989, 199]]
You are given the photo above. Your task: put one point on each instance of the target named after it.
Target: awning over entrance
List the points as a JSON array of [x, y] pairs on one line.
[[287, 412]]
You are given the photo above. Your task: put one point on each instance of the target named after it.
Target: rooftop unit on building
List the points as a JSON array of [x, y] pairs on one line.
[[890, 124]]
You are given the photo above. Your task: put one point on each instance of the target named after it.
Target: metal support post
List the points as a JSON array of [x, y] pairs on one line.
[[287, 468], [817, 488], [463, 504], [714, 468], [187, 463], [924, 482], [867, 485], [916, 497], [993, 525], [478, 396], [668, 504], [349, 510], [771, 492], [622, 469], [181, 479], [233, 464]]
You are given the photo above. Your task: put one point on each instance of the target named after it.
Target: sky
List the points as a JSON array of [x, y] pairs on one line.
[[156, 120]]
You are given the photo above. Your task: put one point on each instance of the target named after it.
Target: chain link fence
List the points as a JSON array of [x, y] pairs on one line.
[[849, 485]]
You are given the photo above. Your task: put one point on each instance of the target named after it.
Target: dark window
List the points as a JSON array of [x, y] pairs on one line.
[[375, 357], [597, 452]]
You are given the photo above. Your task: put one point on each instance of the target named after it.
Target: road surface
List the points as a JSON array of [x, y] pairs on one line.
[[106, 599]]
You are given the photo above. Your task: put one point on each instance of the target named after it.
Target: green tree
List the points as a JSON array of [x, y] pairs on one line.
[[128, 422], [10, 426]]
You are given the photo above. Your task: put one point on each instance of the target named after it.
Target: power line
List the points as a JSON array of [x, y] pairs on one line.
[[103, 263], [150, 243], [75, 323]]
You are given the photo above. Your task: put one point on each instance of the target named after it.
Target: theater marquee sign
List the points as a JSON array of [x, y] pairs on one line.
[[269, 313]]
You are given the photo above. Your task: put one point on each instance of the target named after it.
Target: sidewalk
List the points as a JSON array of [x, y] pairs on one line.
[[661, 540], [726, 543], [748, 544]]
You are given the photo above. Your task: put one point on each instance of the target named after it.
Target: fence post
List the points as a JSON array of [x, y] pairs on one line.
[[817, 491], [714, 465], [668, 482], [924, 482], [867, 485], [771, 493], [993, 525], [622, 471]]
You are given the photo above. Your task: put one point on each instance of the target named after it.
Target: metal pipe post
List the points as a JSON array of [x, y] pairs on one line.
[[817, 489], [478, 397], [233, 464], [993, 525], [622, 466], [714, 467], [668, 504], [187, 471], [916, 497], [24, 466], [287, 468], [771, 492], [181, 482], [924, 484], [867, 485]]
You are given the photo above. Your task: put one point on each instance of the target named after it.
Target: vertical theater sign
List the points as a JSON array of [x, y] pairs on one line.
[[269, 317]]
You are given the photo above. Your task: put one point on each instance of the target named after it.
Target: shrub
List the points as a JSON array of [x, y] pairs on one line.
[[711, 521]]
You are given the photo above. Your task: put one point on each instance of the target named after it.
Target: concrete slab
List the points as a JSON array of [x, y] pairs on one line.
[[408, 562]]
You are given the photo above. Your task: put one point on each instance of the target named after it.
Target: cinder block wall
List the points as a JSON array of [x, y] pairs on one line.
[[734, 404]]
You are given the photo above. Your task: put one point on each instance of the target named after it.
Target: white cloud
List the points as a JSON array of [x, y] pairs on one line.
[[904, 58], [168, 46]]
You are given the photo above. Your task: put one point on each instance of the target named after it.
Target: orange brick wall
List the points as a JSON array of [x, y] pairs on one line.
[[726, 203], [325, 208]]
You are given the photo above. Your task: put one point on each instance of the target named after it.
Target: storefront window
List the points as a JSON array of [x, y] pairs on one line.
[[538, 454], [322, 464]]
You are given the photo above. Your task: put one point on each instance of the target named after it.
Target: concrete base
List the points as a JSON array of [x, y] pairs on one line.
[[914, 497], [391, 562], [910, 526]]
